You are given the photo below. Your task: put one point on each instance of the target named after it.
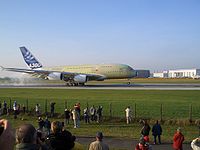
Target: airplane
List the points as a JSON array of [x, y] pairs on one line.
[[74, 75]]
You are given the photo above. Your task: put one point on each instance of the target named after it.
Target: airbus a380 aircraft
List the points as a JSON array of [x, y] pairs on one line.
[[74, 75]]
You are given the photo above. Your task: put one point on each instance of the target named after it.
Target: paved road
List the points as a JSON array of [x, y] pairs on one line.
[[151, 86], [128, 144]]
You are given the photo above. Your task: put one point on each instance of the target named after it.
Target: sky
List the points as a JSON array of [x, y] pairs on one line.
[[146, 34]]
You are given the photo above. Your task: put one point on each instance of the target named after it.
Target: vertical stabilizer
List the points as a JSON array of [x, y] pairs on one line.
[[30, 60]]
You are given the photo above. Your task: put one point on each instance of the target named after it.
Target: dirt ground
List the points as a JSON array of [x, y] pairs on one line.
[[128, 144]]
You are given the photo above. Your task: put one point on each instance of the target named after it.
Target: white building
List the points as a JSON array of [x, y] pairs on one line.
[[184, 73], [163, 74]]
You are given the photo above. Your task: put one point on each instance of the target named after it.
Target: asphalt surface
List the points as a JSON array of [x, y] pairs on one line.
[[152, 86], [128, 144]]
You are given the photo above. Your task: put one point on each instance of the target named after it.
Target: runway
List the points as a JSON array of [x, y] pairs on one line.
[[142, 86]]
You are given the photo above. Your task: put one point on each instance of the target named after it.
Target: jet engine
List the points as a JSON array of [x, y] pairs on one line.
[[80, 78], [55, 76]]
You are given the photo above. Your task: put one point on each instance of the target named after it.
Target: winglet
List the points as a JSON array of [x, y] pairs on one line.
[[30, 60]]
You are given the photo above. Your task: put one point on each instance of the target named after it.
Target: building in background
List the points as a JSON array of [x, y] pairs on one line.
[[184, 73], [143, 73], [178, 73]]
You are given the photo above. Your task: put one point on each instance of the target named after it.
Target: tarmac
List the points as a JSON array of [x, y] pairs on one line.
[[128, 144], [146, 86]]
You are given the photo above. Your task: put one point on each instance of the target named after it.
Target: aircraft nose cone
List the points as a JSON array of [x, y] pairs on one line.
[[133, 74]]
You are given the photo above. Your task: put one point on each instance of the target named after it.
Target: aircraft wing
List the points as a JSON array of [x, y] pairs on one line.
[[45, 74]]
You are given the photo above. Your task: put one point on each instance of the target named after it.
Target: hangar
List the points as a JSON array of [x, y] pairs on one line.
[[184, 73]]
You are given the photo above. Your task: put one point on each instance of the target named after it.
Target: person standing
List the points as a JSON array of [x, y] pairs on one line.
[[67, 116], [24, 109], [4, 107], [98, 144], [52, 105], [157, 131], [178, 140], [15, 109], [99, 113], [128, 115], [92, 113], [145, 129], [86, 115], [75, 116], [40, 124], [47, 126], [37, 109]]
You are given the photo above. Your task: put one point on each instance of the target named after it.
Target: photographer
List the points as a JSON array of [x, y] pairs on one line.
[[60, 139], [27, 138], [7, 139]]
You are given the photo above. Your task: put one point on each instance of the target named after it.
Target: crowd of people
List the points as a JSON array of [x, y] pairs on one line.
[[27, 137], [53, 136], [47, 132]]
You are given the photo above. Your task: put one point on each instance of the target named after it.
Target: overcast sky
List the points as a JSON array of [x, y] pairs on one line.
[[145, 34]]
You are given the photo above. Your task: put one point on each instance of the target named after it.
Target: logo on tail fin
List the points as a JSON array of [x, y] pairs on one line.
[[30, 60]]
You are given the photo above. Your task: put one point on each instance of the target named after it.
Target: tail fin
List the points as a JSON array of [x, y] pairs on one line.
[[30, 60]]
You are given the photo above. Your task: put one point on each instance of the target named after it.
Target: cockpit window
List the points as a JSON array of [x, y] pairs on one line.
[[129, 68]]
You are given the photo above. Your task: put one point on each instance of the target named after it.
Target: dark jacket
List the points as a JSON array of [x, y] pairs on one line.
[[60, 141], [27, 146], [145, 130], [156, 130]]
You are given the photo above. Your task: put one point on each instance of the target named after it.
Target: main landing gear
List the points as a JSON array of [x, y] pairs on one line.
[[74, 84]]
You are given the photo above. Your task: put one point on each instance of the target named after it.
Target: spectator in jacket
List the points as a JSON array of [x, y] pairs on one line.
[[157, 131], [178, 140], [47, 126], [195, 144], [86, 115], [145, 129], [128, 114], [98, 144], [143, 145], [60, 139], [67, 116], [40, 124]]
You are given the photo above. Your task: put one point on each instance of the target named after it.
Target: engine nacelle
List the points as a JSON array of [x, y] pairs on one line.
[[55, 76], [80, 78]]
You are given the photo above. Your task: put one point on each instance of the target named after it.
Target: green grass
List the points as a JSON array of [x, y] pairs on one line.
[[176, 105]]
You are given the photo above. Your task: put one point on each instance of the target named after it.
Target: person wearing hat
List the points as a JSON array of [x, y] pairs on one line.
[[178, 140], [98, 144], [195, 144]]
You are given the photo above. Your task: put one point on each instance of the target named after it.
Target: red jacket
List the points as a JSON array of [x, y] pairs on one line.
[[178, 141], [141, 147]]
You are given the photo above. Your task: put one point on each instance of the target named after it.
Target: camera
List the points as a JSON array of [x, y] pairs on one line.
[[1, 129], [39, 135]]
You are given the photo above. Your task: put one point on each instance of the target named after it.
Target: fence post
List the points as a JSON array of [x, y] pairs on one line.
[[87, 105], [46, 106], [10, 104], [161, 112], [27, 105], [65, 104], [110, 109], [190, 112], [135, 112]]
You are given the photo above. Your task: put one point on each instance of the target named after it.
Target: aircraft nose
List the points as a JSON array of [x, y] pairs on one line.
[[133, 74]]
